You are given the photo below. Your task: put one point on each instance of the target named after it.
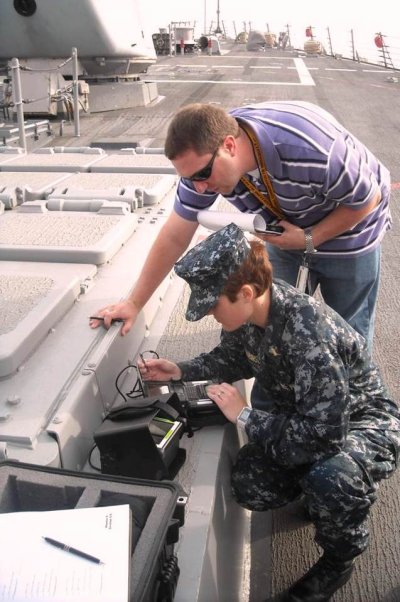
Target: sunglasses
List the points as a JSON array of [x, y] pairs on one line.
[[204, 173]]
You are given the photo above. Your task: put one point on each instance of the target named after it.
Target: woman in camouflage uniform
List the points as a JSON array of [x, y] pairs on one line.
[[325, 427]]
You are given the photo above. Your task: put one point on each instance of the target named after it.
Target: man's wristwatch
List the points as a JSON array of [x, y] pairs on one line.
[[309, 241], [243, 417]]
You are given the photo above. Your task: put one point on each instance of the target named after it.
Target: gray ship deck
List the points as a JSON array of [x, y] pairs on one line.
[[366, 100]]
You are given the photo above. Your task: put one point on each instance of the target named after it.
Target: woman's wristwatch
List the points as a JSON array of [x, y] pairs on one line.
[[243, 417]]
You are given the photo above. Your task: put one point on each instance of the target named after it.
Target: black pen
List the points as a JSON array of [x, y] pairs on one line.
[[102, 319], [63, 546]]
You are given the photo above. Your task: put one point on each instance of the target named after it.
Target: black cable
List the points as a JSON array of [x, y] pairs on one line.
[[134, 390], [137, 390], [154, 355], [90, 459]]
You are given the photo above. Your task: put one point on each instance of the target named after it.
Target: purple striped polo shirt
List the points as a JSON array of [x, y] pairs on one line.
[[314, 165]]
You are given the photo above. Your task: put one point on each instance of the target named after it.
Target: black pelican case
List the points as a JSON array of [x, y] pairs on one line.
[[157, 514]]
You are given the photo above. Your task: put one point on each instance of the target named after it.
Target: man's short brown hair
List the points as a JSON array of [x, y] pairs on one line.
[[256, 270], [199, 127]]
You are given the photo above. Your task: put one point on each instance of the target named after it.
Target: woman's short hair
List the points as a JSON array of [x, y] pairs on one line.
[[256, 270], [199, 127]]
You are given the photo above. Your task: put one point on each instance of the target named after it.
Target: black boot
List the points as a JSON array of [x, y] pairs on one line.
[[321, 581]]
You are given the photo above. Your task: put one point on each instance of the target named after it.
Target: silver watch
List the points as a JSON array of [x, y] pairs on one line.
[[309, 240], [243, 417]]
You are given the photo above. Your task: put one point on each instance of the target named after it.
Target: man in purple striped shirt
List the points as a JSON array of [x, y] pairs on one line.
[[332, 196]]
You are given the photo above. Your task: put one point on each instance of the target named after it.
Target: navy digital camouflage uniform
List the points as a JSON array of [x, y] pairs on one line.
[[326, 426]]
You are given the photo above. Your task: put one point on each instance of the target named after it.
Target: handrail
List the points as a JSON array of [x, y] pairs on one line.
[[19, 101]]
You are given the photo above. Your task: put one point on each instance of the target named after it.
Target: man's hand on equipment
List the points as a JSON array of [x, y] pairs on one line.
[[126, 311]]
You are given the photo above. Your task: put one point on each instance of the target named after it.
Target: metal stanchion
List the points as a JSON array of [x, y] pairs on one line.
[[17, 99], [76, 91], [171, 36]]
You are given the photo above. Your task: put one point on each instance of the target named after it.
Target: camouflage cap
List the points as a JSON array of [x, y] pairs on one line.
[[208, 265]]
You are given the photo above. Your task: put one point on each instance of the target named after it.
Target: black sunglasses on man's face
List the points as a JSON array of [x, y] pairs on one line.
[[204, 173]]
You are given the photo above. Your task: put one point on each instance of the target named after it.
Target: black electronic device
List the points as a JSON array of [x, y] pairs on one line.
[[271, 229], [141, 439], [200, 409], [192, 394]]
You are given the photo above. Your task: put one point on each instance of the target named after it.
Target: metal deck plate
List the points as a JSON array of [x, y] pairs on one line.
[[77, 237], [140, 188], [132, 163], [7, 158], [16, 187], [50, 162], [33, 297]]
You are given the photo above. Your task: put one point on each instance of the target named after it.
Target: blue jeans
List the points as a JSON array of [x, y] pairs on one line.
[[348, 285]]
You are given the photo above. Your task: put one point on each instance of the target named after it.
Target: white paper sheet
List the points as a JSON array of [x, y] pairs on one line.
[[215, 220], [33, 570]]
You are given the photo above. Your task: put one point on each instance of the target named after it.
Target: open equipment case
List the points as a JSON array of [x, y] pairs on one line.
[[157, 514]]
